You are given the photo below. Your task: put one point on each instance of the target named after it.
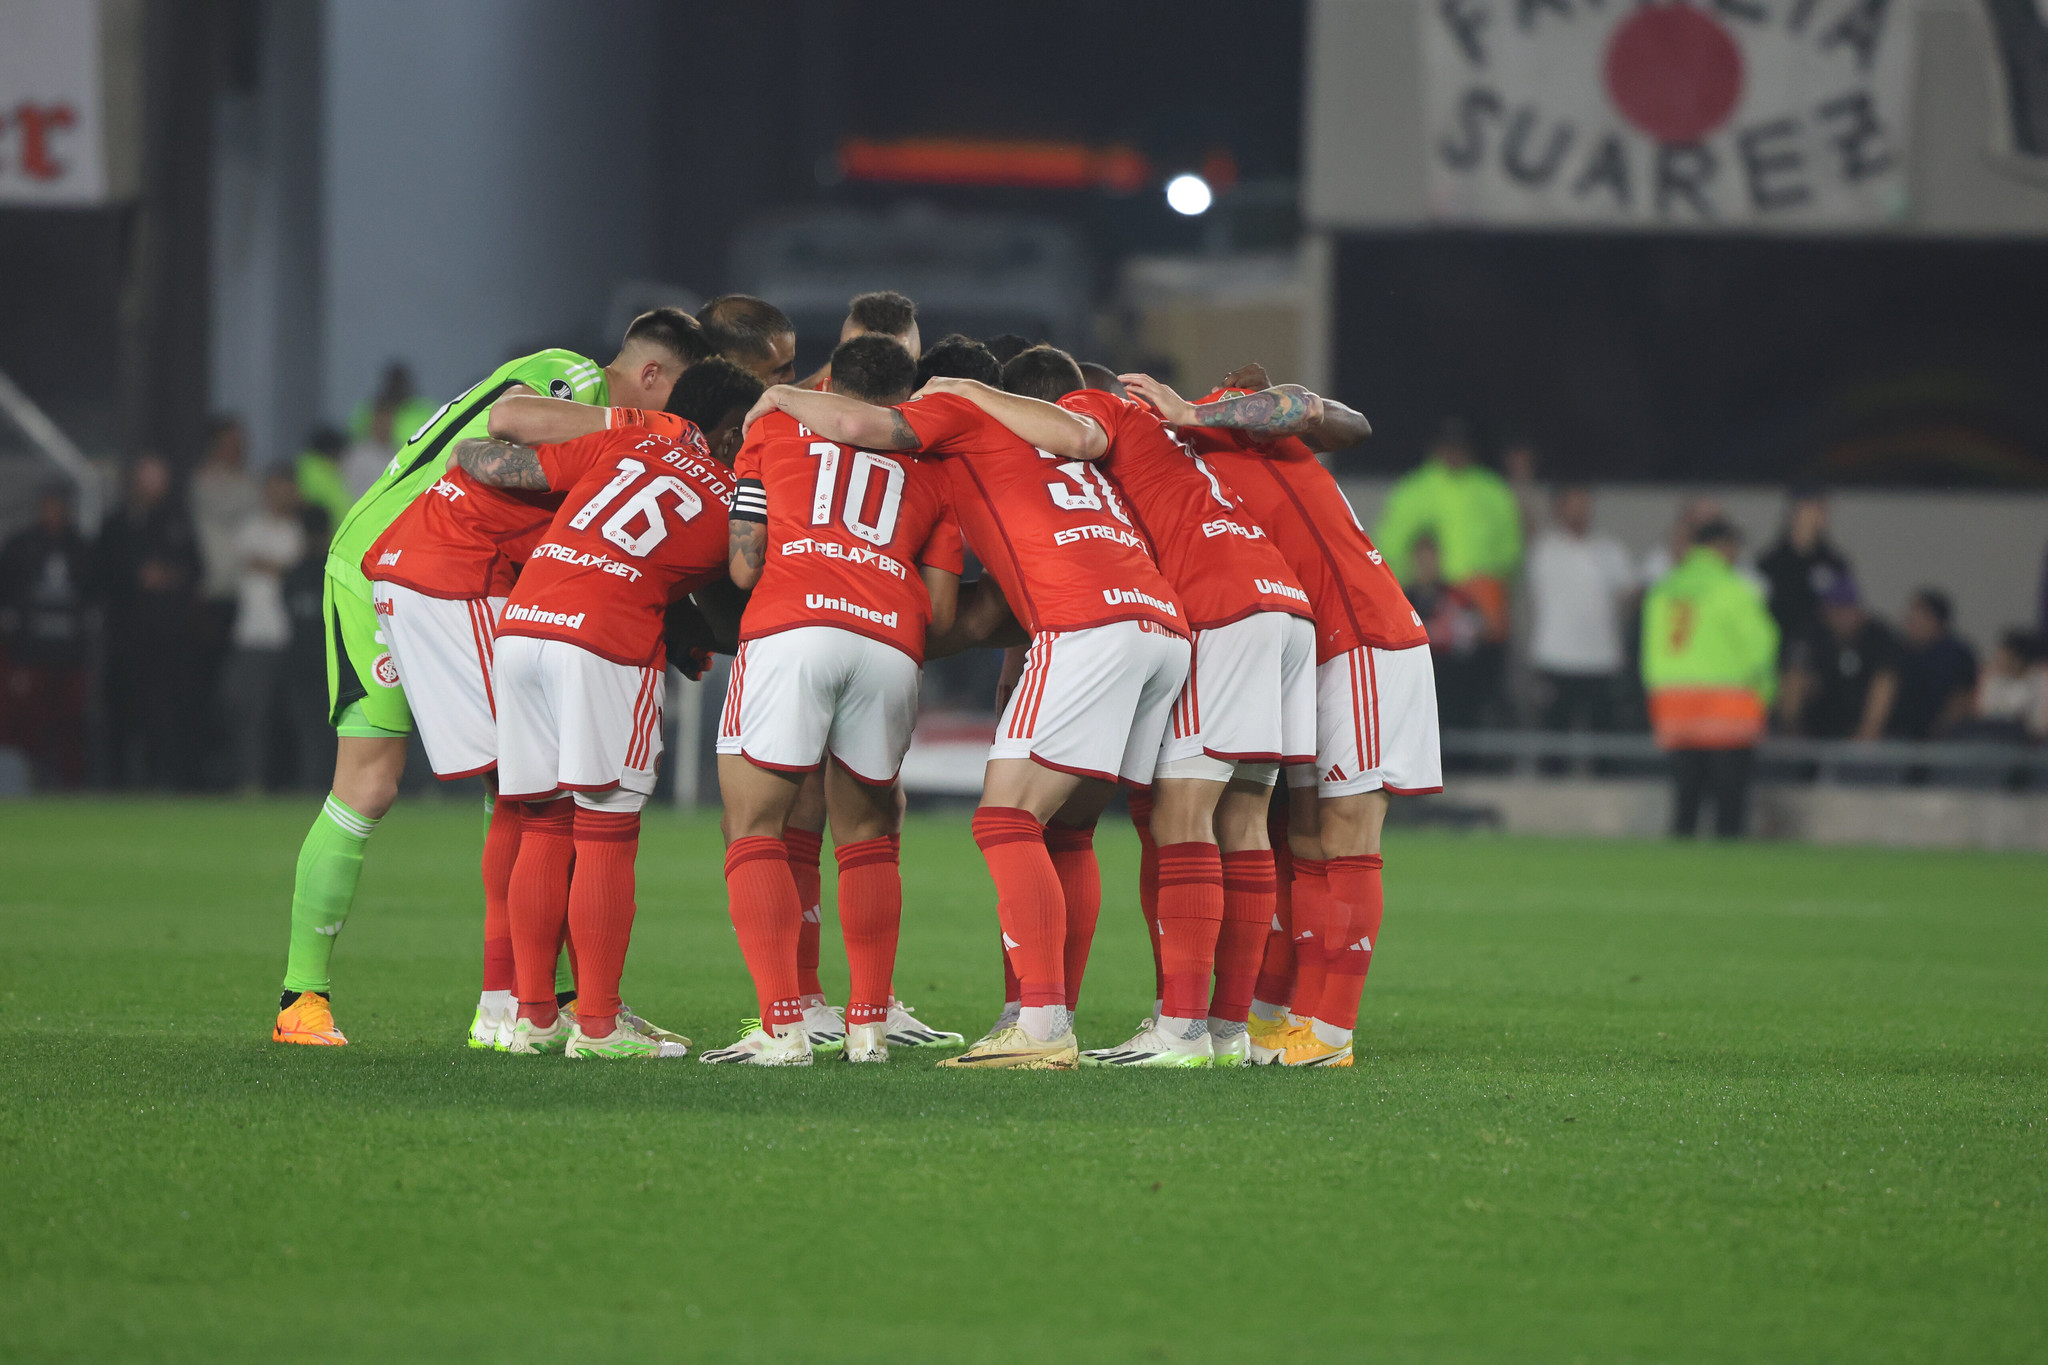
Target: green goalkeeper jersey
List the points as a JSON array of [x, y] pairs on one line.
[[420, 461]]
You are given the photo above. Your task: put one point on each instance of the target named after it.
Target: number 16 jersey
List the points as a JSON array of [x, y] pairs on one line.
[[643, 523]]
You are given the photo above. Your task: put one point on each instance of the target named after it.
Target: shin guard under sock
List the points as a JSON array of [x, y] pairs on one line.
[[1310, 895], [1028, 901], [538, 900], [601, 912], [330, 865], [761, 895], [1073, 860], [1190, 917], [805, 847], [1356, 894], [1241, 944], [870, 920]]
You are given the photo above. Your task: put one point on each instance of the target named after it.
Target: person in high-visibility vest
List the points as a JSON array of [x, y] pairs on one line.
[[1710, 651]]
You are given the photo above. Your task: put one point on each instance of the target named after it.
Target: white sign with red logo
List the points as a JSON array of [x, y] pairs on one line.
[[52, 142], [1755, 114]]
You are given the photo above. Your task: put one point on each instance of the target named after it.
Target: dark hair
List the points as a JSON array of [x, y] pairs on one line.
[[709, 390], [741, 326], [673, 331], [328, 440], [1007, 347], [873, 368], [1454, 431], [884, 311], [959, 357], [1102, 377], [1044, 372], [1715, 530], [1937, 604]]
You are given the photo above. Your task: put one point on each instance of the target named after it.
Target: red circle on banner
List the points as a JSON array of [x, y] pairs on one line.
[[1674, 72]]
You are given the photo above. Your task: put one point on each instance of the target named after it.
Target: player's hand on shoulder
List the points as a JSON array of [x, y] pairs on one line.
[[768, 402]]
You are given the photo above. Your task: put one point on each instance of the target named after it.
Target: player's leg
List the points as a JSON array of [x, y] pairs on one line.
[[1249, 893], [371, 720], [804, 837], [537, 890], [1148, 887], [868, 848]]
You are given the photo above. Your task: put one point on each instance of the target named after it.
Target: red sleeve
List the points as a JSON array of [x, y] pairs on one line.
[[943, 548], [565, 463], [747, 464], [940, 420], [667, 423]]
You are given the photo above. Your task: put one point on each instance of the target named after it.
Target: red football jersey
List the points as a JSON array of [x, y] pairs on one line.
[[847, 529], [1353, 593], [642, 522], [1054, 533], [1211, 549], [461, 538]]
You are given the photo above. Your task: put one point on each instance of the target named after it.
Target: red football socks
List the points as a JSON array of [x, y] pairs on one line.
[[804, 847], [538, 903], [601, 912], [501, 852], [1241, 945], [1028, 901], [1359, 900], [1148, 883], [1311, 899], [761, 895], [870, 917], [1073, 861], [1190, 917], [1276, 972]]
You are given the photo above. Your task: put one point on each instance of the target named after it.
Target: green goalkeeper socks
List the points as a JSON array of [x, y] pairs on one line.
[[330, 864]]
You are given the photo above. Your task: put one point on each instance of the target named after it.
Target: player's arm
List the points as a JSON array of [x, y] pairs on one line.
[[1284, 410], [836, 417], [1050, 427], [944, 587], [529, 419], [747, 534], [501, 464]]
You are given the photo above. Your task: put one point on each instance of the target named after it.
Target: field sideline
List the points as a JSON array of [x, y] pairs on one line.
[[1615, 1102]]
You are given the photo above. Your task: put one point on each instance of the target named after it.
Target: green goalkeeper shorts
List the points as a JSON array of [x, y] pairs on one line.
[[364, 698]]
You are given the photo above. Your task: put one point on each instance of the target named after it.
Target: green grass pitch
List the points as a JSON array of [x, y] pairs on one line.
[[1615, 1102]]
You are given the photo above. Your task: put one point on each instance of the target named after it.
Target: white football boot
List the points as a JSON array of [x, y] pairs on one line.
[[756, 1046], [905, 1029], [867, 1043], [826, 1027], [1158, 1044], [1230, 1043]]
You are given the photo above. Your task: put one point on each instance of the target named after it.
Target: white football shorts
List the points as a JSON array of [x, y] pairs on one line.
[[798, 694], [1250, 702], [1095, 702], [1375, 725], [570, 721], [443, 647]]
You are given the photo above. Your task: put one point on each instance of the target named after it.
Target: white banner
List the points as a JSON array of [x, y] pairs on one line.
[[1751, 114], [52, 136]]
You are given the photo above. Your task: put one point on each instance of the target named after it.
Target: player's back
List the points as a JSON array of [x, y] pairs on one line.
[[1054, 533], [421, 460], [847, 529], [1354, 595], [642, 522], [1210, 548]]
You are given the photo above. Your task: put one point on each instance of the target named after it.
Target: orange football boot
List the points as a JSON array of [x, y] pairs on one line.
[[308, 1020]]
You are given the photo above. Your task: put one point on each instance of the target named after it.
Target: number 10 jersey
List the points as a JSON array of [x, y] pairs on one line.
[[643, 523], [847, 532]]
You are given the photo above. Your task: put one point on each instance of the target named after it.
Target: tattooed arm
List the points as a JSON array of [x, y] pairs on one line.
[[1285, 410], [747, 552], [501, 464]]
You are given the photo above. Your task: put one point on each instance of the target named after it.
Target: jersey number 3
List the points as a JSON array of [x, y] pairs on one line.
[[853, 512], [645, 506]]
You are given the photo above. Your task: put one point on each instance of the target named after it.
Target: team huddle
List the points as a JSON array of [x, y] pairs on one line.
[[1187, 606]]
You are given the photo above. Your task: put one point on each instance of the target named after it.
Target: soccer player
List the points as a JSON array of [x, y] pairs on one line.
[[1376, 725], [852, 556], [580, 676], [439, 575], [882, 313], [1108, 657], [367, 703], [1248, 707], [752, 333]]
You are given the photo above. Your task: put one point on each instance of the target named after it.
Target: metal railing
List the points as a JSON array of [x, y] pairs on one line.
[[48, 438], [1924, 762]]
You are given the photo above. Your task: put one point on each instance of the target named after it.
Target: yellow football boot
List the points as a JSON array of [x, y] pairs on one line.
[[1012, 1049], [1269, 1038], [308, 1020], [1305, 1049]]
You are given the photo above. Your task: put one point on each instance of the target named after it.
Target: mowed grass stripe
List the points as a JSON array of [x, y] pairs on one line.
[[1615, 1102]]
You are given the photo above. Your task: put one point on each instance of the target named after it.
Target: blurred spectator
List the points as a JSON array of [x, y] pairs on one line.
[[45, 589], [1471, 514], [1693, 513], [2012, 695], [303, 675], [271, 542], [319, 473], [223, 497], [379, 426], [1577, 584], [1852, 683], [1801, 567], [1457, 631], [1937, 673], [146, 568], [1710, 653]]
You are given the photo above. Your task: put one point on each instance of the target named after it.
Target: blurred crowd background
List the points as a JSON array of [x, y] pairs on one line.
[[246, 246]]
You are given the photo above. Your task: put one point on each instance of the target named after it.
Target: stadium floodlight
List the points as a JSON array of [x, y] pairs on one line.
[[1189, 194]]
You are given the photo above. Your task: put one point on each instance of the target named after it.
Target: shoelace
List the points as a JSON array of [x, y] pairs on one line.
[[748, 1026]]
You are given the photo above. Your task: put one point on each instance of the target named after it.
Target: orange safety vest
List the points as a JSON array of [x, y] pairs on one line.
[[1706, 717]]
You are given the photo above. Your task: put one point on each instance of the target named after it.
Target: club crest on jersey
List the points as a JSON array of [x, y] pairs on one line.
[[385, 671], [561, 388]]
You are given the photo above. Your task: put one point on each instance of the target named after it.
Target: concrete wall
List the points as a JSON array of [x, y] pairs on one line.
[[1364, 146], [1985, 549]]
